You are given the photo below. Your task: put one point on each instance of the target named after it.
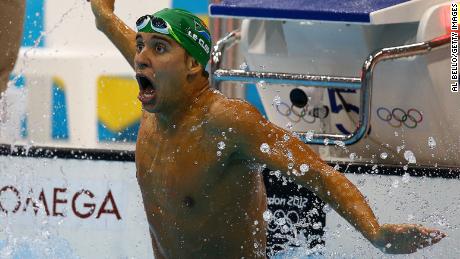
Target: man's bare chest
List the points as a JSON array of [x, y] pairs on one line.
[[176, 167]]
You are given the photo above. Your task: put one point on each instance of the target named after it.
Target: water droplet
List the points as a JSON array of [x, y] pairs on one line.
[[326, 141], [221, 145], [280, 221], [294, 172], [267, 215], [353, 156], [219, 153], [405, 178], [339, 143], [256, 222], [309, 135], [261, 84], [384, 155], [431, 142], [317, 225], [410, 157], [265, 148], [243, 66], [277, 100], [289, 155], [326, 208], [289, 126], [304, 168], [286, 137], [290, 166]]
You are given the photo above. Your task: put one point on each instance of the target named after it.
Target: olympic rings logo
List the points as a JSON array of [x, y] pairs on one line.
[[286, 222], [398, 117], [296, 114]]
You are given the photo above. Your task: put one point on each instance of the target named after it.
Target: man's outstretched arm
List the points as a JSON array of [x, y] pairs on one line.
[[280, 150], [123, 37]]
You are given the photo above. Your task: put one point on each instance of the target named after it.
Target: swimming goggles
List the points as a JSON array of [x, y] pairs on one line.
[[150, 23]]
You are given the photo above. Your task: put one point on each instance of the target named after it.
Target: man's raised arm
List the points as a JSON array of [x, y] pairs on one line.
[[115, 29], [261, 141]]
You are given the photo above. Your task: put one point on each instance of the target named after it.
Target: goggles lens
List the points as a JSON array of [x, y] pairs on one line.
[[156, 24], [159, 23], [142, 22]]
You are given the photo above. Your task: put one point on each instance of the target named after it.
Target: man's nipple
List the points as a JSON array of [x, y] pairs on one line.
[[188, 201]]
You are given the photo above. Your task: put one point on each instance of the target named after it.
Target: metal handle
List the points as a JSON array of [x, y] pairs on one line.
[[364, 83]]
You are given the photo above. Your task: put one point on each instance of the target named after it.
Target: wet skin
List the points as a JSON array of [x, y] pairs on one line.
[[203, 205], [199, 204], [195, 200]]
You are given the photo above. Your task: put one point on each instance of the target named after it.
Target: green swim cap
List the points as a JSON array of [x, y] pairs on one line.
[[184, 27]]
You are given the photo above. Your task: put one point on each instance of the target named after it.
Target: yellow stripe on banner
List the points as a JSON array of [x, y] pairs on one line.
[[59, 83], [117, 103]]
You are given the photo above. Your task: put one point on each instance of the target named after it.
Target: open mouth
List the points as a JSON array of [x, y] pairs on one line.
[[147, 89]]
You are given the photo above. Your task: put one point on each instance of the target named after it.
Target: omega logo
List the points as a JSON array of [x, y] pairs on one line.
[[13, 196]]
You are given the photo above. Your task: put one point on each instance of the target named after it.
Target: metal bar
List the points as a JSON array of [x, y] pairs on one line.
[[221, 75], [366, 88], [364, 84], [219, 50]]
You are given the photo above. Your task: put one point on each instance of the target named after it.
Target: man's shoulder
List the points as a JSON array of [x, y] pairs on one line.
[[226, 111]]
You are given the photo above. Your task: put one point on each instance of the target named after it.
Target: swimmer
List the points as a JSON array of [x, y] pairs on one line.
[[196, 151], [11, 23]]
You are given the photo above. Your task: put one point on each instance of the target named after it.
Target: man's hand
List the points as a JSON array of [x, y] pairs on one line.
[[123, 37], [406, 238], [103, 10]]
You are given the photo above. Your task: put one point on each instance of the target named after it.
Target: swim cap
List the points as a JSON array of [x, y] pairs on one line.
[[184, 27]]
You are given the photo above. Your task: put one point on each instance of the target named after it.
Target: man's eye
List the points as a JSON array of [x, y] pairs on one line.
[[160, 48], [139, 47]]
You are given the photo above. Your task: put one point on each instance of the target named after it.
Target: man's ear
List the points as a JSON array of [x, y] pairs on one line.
[[193, 66]]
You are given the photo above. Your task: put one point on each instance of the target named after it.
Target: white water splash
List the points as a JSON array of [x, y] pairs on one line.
[[353, 156], [431, 143], [221, 145], [304, 168], [277, 100], [410, 157], [265, 148]]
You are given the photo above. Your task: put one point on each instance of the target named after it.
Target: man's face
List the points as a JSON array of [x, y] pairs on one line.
[[160, 71]]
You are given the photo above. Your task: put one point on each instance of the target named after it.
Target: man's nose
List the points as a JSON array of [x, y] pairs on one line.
[[141, 62]]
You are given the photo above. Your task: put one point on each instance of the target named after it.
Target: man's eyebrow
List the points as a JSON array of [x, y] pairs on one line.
[[161, 37], [155, 36]]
